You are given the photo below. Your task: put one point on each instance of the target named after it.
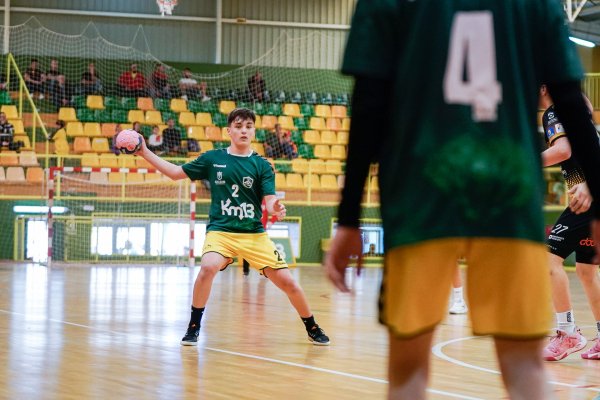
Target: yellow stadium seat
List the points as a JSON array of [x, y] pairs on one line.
[[259, 148], [317, 124], [60, 134], [225, 133], [329, 182], [142, 163], [205, 145], [145, 103], [286, 122], [135, 116], [108, 129], [134, 177], [311, 181], [333, 167], [280, 182], [126, 126], [322, 110], [126, 160], [268, 122], [92, 129], [292, 110], [195, 132], [61, 147], [346, 124], [213, 133], [204, 119], [17, 124], [10, 111], [226, 106], [333, 124], [322, 151], [2, 175], [294, 181], [100, 145], [342, 137], [187, 118], [300, 165], [82, 144], [178, 105], [9, 158], [28, 159], [25, 140], [153, 118], [316, 166], [338, 152], [34, 175], [155, 177], [108, 160], [312, 137], [67, 114], [99, 177], [339, 111], [90, 160], [95, 102], [116, 177], [15, 174], [74, 129], [329, 137], [258, 122]]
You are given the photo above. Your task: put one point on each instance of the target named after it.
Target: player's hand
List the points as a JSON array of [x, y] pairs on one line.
[[580, 198], [595, 233], [279, 210], [143, 147], [346, 243]]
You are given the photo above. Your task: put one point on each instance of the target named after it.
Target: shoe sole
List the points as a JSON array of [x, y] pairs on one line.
[[317, 343], [458, 312], [566, 353], [188, 343]]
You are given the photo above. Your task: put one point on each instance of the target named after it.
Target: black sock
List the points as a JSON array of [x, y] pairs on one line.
[[196, 317], [309, 322]]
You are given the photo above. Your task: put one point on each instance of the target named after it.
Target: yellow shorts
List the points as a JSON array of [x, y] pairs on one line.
[[508, 286], [256, 248]]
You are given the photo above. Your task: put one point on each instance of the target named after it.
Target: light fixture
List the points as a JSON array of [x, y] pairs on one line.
[[582, 42], [39, 209]]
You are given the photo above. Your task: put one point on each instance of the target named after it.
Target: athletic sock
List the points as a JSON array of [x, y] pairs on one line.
[[196, 317], [309, 322], [457, 295], [566, 321], [598, 328]]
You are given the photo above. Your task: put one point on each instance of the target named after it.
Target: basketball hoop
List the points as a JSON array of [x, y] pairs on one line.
[[166, 6]]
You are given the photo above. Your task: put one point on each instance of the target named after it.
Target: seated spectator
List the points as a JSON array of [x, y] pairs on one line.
[[60, 133], [271, 144], [34, 79], [160, 82], [203, 88], [172, 139], [189, 87], [132, 82], [289, 149], [55, 85], [156, 141], [256, 87], [118, 129], [278, 144], [90, 81], [7, 132], [137, 126]]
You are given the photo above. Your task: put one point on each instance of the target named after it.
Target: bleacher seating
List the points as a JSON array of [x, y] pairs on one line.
[[15, 174], [34, 175]]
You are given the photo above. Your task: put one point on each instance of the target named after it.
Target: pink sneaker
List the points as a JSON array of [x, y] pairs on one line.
[[593, 352], [563, 344]]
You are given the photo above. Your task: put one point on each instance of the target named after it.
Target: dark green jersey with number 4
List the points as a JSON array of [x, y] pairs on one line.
[[237, 187], [461, 156]]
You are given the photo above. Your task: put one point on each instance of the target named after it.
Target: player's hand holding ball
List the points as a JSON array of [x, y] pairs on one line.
[[129, 141]]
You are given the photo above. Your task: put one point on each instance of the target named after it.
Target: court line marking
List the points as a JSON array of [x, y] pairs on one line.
[[272, 360], [437, 350]]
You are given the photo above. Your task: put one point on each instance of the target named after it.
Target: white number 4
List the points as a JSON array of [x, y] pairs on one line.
[[472, 42]]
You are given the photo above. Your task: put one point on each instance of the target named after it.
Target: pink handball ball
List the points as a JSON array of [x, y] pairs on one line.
[[128, 141]]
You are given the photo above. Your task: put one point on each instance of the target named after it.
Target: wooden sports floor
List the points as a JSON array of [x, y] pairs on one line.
[[112, 332]]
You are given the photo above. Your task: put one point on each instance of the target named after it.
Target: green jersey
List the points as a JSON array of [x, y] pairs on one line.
[[461, 156], [237, 187]]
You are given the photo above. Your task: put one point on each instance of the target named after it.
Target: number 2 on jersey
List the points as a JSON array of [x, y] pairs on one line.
[[472, 43]]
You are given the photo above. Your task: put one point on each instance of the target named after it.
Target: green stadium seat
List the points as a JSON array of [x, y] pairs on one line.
[[129, 103], [341, 99], [244, 104], [85, 115], [295, 98], [219, 120], [118, 115], [259, 108], [310, 98], [326, 98], [283, 167], [278, 96], [232, 94], [301, 123], [220, 145], [112, 102], [80, 101], [102, 115], [308, 110], [161, 104], [167, 115], [146, 130], [297, 138], [216, 93], [306, 151], [273, 109], [208, 107], [261, 135], [194, 106]]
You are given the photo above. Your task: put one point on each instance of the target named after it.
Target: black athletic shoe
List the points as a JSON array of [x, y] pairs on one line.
[[317, 336], [191, 336], [246, 268]]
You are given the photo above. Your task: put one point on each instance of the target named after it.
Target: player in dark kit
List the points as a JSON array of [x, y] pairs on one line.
[[571, 233]]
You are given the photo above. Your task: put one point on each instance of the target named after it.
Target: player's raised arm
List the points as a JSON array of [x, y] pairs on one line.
[[169, 169]]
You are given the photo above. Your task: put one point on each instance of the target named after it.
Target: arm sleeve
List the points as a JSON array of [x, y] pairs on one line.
[[369, 96], [574, 114], [198, 168]]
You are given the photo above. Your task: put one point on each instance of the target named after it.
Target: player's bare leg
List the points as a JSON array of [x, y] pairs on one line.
[[408, 366]]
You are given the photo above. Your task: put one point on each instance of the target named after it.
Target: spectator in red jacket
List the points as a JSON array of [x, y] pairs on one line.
[[132, 82]]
